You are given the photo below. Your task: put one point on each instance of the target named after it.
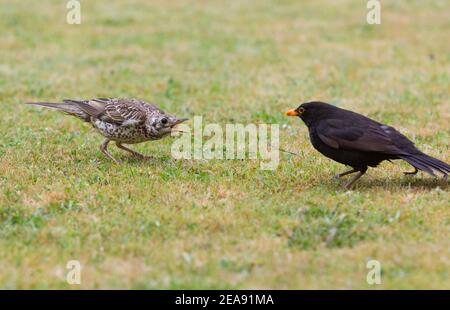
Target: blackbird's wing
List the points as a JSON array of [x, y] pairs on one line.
[[363, 134]]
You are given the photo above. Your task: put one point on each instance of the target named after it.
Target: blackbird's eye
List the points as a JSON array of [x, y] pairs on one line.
[[164, 121], [301, 110]]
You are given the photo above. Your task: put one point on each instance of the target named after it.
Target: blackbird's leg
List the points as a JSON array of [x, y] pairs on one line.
[[137, 154], [355, 178], [411, 172], [104, 149], [340, 175]]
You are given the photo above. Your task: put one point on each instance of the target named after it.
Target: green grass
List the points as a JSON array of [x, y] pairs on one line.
[[220, 224]]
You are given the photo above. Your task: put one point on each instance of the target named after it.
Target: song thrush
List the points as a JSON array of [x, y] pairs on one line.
[[124, 121]]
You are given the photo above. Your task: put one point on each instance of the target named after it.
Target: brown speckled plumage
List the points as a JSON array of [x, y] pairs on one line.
[[124, 121]]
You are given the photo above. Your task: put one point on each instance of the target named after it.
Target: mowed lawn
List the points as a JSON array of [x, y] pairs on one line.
[[169, 223]]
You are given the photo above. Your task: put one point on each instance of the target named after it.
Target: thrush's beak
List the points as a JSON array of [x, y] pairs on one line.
[[292, 112], [179, 121]]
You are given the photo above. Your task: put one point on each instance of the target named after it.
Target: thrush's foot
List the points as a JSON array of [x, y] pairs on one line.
[[143, 157], [133, 152], [104, 149]]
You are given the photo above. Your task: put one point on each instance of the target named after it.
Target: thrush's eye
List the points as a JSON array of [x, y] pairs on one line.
[[164, 121], [301, 110]]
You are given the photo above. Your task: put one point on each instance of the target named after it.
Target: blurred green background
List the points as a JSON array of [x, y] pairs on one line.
[[220, 224]]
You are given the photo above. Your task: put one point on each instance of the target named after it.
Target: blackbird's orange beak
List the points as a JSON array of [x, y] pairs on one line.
[[292, 112]]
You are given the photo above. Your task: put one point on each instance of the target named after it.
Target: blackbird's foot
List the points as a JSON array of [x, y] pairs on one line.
[[411, 172], [340, 175], [349, 184]]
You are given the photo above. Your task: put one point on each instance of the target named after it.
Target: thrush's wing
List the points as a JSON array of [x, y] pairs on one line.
[[363, 134], [122, 112]]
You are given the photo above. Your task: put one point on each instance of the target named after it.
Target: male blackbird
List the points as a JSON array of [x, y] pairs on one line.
[[358, 141], [125, 121]]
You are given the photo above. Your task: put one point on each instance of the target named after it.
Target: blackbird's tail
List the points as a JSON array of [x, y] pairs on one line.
[[427, 163], [68, 107]]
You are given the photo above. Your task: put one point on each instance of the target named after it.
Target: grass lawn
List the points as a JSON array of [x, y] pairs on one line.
[[170, 223]]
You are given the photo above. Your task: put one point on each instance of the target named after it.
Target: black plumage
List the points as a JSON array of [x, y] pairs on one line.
[[360, 142]]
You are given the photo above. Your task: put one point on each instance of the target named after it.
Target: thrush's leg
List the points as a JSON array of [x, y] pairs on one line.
[[355, 178], [339, 175], [411, 172], [137, 154], [104, 149]]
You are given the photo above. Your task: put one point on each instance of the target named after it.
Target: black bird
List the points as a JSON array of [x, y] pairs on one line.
[[360, 142]]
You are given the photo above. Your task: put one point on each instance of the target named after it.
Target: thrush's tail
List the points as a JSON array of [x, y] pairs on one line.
[[68, 107], [427, 163]]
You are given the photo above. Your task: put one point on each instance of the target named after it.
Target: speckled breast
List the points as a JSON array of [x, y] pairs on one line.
[[125, 134]]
